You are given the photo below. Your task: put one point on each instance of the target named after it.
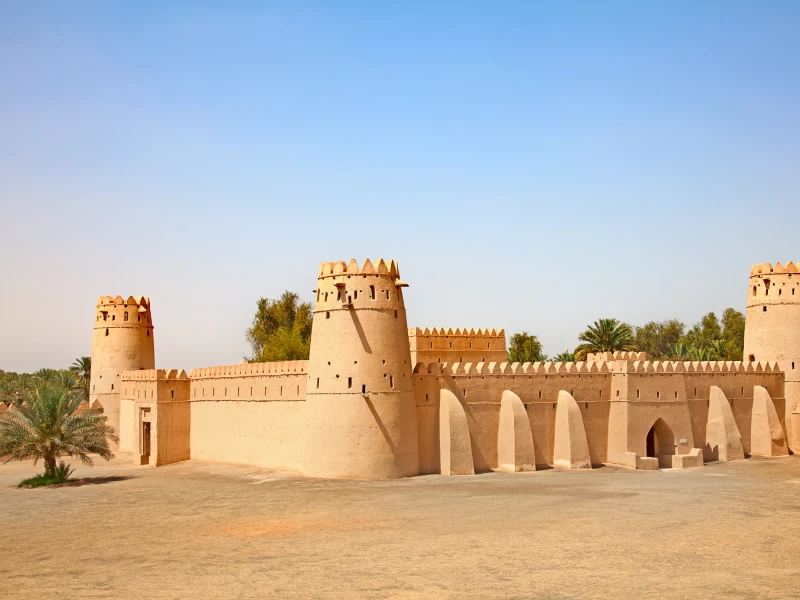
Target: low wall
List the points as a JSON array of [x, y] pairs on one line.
[[249, 414]]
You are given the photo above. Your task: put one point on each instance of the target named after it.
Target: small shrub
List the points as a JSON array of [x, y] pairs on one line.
[[62, 474]]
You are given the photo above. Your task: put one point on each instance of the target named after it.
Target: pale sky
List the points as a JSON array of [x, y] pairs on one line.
[[530, 165]]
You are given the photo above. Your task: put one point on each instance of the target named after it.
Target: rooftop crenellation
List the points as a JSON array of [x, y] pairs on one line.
[[379, 267], [767, 268]]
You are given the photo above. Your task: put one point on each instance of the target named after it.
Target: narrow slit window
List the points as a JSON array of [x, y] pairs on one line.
[[372, 292], [106, 331], [172, 394], [317, 382], [391, 381], [126, 316], [363, 389], [637, 394], [349, 382]]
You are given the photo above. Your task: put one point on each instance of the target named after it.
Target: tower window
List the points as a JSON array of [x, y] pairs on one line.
[[355, 294], [387, 293], [658, 394], [317, 382], [172, 393], [327, 315], [349, 382], [391, 381], [112, 387], [138, 318], [372, 292], [126, 316], [113, 317], [754, 290], [765, 309], [752, 358], [395, 314], [106, 331], [637, 394], [148, 333], [363, 389]]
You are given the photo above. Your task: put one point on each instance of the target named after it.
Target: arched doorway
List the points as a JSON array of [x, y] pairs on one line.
[[661, 443]]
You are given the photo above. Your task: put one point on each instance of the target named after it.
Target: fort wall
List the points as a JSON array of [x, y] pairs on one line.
[[637, 392], [250, 413], [462, 345]]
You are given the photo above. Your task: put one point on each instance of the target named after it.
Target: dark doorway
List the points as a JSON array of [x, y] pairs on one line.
[[651, 442]]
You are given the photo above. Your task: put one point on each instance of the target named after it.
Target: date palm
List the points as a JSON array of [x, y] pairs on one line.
[[605, 335], [82, 367], [49, 426]]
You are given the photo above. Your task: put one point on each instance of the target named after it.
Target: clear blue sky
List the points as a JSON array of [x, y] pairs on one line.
[[530, 165]]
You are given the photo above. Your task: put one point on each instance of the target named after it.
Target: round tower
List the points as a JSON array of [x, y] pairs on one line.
[[123, 341], [772, 330], [360, 411]]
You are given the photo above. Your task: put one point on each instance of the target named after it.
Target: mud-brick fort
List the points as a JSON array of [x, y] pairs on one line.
[[379, 400]]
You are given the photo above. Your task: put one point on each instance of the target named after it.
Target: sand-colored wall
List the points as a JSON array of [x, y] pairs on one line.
[[126, 415], [160, 397], [249, 414], [619, 401], [480, 389], [460, 345]]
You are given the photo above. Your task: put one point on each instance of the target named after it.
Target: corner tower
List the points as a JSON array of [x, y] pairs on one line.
[[772, 330], [360, 411], [123, 341]]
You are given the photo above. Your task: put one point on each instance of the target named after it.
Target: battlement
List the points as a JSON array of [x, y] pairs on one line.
[[618, 355], [139, 301], [767, 268], [290, 367], [379, 267], [154, 375], [442, 332], [582, 367]]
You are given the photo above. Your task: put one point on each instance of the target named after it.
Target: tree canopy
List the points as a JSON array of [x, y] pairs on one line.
[[281, 329], [524, 347], [708, 339], [605, 335]]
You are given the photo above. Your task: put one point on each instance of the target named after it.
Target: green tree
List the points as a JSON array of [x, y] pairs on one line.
[[703, 333], [733, 334], [524, 347], [82, 367], [605, 335], [656, 337], [564, 357], [48, 427], [281, 329]]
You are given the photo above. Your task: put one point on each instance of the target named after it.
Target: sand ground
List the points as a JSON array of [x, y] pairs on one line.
[[202, 530]]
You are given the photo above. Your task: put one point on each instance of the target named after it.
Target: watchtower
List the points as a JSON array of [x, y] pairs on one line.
[[772, 330], [360, 410], [123, 341]]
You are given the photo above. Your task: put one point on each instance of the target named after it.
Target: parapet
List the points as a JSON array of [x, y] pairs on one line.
[[154, 375], [767, 268], [589, 367], [140, 301], [618, 355], [379, 267], [442, 332], [289, 367]]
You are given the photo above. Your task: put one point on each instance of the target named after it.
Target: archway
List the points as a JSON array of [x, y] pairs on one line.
[[661, 443]]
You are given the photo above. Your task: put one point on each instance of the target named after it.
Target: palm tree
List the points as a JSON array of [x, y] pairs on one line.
[[49, 427], [565, 357], [606, 335], [82, 367], [46, 374]]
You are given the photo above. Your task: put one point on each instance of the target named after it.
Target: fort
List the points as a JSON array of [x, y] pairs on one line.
[[380, 400]]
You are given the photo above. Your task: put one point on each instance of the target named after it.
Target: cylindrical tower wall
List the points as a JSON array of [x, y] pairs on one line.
[[360, 408], [772, 329], [122, 341]]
